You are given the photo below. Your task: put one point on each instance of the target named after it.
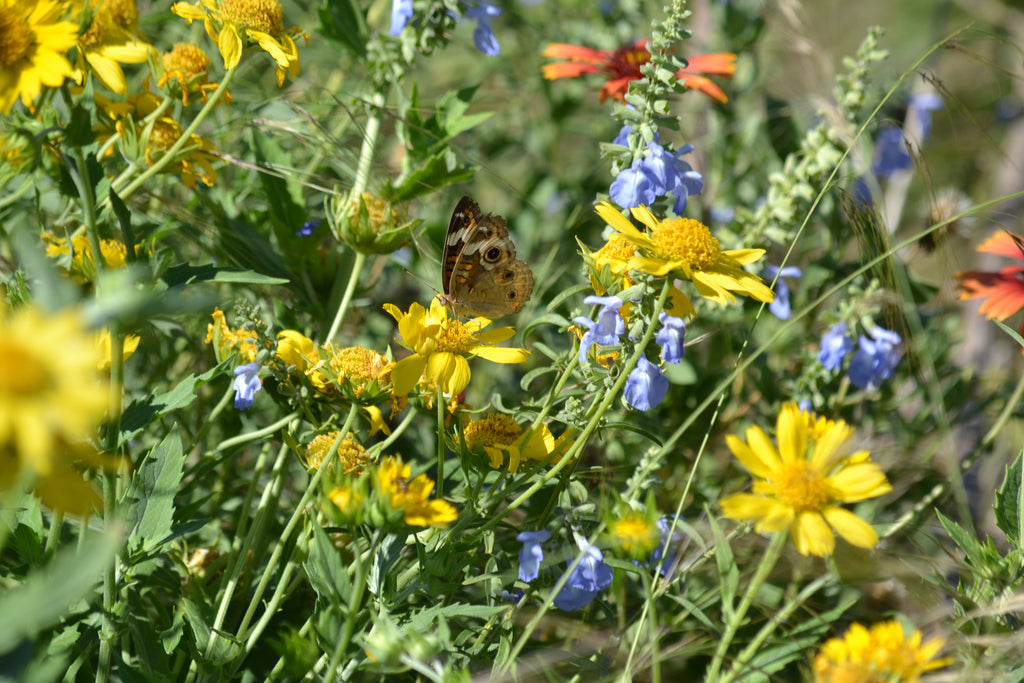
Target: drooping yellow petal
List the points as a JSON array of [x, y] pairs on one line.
[[449, 370], [406, 373], [812, 536], [230, 45], [501, 354], [852, 528]]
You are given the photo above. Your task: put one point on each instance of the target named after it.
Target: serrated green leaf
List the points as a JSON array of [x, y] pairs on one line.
[[141, 413], [327, 574], [46, 594], [1008, 505], [150, 496], [967, 543]]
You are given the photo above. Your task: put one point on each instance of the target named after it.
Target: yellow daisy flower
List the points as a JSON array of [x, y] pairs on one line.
[[111, 40], [33, 43], [797, 486], [237, 24], [52, 399], [635, 533], [683, 247], [82, 266], [499, 435], [186, 70], [881, 653], [391, 482], [440, 346]]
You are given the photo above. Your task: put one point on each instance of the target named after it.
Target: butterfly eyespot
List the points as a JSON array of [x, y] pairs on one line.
[[492, 254], [511, 296]]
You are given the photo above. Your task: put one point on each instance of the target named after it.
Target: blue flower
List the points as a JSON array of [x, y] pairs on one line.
[[401, 13], [670, 337], [862, 193], [590, 577], [246, 385], [483, 36], [623, 137], [664, 526], [722, 214], [308, 227], [834, 347], [891, 153], [633, 186], [646, 387], [924, 104], [531, 554], [876, 358], [780, 305], [608, 328]]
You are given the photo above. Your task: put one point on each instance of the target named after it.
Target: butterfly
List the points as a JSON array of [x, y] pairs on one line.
[[480, 272]]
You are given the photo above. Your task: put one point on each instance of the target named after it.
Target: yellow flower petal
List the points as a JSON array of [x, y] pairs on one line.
[[852, 528], [750, 458], [812, 536], [610, 215], [230, 46], [449, 370], [860, 482], [501, 354], [406, 374]]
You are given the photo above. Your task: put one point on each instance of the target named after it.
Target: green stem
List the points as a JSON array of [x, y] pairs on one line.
[[354, 606], [300, 510], [395, 433], [440, 441], [170, 155], [738, 617], [350, 288], [372, 131], [777, 618], [253, 436]]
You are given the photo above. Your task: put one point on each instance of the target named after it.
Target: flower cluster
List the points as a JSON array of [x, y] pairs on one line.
[[503, 440], [386, 496], [483, 37], [882, 652], [657, 174], [875, 359]]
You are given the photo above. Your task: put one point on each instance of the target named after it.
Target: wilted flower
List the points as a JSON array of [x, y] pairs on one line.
[[110, 39]]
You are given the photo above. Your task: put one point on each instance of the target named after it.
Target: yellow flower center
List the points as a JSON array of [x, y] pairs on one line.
[[800, 485], [359, 366], [164, 134], [21, 374], [15, 37], [616, 251], [259, 15], [687, 240], [492, 430], [635, 533], [185, 62], [454, 337], [110, 14], [351, 455]]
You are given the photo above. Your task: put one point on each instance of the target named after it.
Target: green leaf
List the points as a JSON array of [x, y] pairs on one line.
[[327, 574], [185, 274], [45, 596], [141, 413], [124, 219], [728, 572], [150, 496], [284, 195], [1008, 507], [344, 21], [436, 172], [967, 543]]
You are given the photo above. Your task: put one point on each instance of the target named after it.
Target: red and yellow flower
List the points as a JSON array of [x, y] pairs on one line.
[[623, 66], [1003, 291]]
